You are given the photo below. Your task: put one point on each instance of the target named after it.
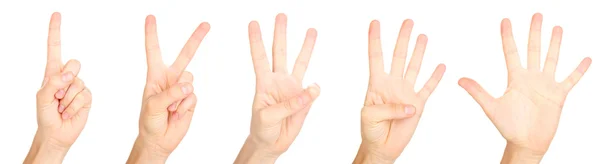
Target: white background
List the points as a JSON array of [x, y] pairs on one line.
[[108, 38]]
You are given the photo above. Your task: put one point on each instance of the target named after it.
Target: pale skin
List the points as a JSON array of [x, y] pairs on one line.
[[528, 113], [392, 107], [168, 101], [280, 103], [63, 104]]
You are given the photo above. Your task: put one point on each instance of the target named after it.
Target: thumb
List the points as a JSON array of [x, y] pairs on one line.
[[52, 84], [483, 98], [385, 112], [175, 93], [294, 104]]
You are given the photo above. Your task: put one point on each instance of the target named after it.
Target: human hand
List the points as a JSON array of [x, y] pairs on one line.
[[168, 102], [63, 104], [528, 113], [392, 107], [280, 104]]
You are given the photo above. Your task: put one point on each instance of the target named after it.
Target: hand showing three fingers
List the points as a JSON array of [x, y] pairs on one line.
[[527, 114], [63, 104], [280, 103], [168, 101], [392, 107]]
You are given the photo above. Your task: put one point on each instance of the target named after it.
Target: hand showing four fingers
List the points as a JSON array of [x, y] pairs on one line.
[[280, 103], [168, 102], [392, 107], [527, 114], [63, 104]]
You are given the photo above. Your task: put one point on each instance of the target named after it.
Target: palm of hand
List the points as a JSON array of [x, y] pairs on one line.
[[157, 83], [383, 130], [392, 134], [276, 89], [275, 122], [529, 111], [527, 115]]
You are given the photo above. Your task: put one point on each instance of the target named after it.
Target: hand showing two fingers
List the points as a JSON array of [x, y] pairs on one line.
[[168, 101], [392, 107]]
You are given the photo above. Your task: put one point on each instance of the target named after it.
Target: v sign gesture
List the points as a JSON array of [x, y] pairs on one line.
[[527, 114], [63, 104], [168, 102], [280, 104], [392, 107]]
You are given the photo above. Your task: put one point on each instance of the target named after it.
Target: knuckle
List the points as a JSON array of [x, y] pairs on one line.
[[152, 48], [54, 42], [511, 51], [401, 54], [288, 106]]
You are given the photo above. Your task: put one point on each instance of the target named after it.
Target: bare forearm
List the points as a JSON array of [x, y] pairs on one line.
[[45, 151], [147, 153], [253, 153], [517, 155]]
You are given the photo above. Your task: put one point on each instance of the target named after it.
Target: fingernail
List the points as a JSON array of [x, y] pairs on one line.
[[171, 107], [409, 110], [186, 89], [60, 94], [61, 108], [65, 116], [68, 76], [313, 89]]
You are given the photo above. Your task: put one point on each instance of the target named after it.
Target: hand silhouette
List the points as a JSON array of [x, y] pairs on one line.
[[392, 107], [527, 114], [63, 104], [168, 101], [280, 104]]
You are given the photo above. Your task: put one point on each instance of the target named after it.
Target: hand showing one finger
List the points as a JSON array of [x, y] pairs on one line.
[[63, 104]]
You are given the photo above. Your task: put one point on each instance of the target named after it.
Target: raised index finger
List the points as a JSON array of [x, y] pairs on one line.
[[153, 57], [257, 49], [53, 63], [375, 56], [189, 50]]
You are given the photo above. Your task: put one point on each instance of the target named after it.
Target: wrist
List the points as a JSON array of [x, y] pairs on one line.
[[147, 152], [367, 155], [517, 154], [46, 150], [255, 153]]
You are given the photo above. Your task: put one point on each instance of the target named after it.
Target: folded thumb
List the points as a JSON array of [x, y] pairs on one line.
[[295, 104], [385, 112]]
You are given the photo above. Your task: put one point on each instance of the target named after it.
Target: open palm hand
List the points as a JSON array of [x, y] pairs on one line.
[[528, 113]]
